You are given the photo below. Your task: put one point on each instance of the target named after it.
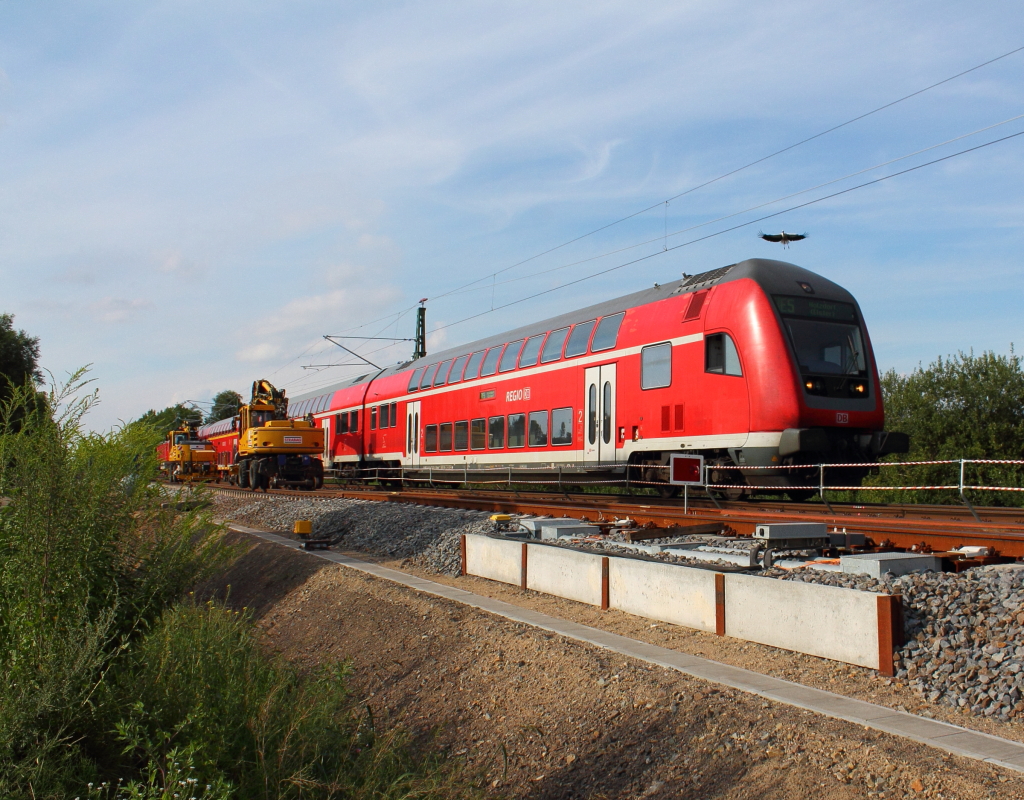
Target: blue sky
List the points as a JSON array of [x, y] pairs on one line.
[[192, 194]]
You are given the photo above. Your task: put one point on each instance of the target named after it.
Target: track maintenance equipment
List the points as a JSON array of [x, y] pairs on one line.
[[273, 450]]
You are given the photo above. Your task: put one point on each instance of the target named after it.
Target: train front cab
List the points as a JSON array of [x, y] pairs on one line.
[[812, 381]]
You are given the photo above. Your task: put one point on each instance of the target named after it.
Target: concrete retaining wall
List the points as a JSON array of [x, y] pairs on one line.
[[564, 573], [848, 625], [827, 621], [665, 592], [497, 559]]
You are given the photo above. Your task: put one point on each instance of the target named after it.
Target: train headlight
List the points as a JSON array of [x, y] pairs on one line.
[[859, 388]]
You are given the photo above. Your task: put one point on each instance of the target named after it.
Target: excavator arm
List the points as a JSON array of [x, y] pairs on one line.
[[265, 393]]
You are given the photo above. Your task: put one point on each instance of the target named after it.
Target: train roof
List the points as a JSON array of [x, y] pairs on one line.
[[773, 276]]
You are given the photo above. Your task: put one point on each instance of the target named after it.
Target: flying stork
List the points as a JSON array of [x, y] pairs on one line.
[[784, 238]]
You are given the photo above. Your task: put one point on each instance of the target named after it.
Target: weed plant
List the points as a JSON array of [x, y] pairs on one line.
[[115, 683]]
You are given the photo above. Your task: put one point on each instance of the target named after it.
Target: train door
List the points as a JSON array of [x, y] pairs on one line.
[[599, 414], [325, 423], [412, 433]]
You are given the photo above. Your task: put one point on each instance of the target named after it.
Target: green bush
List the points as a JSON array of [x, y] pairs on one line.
[[114, 684], [200, 679], [963, 406]]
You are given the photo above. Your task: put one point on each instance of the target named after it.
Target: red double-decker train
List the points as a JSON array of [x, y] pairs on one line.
[[757, 364]]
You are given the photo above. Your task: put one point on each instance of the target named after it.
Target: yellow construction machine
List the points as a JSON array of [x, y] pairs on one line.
[[274, 451], [188, 458]]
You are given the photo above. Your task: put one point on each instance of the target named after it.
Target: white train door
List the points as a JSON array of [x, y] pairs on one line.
[[325, 423], [412, 433], [599, 414]]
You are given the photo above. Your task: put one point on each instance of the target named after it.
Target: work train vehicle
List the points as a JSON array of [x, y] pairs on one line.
[[757, 364]]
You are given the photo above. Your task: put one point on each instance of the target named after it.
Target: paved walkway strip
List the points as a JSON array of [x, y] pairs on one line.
[[942, 735]]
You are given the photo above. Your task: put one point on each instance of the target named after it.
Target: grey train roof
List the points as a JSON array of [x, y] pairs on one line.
[[774, 276]]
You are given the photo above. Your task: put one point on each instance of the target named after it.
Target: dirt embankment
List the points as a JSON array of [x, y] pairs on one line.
[[538, 716]]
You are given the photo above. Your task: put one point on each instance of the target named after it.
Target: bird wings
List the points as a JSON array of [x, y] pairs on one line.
[[783, 237]]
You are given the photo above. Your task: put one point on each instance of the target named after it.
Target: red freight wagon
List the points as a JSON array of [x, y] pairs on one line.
[[758, 364]]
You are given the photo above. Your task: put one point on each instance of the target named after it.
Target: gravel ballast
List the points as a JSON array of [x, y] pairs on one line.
[[964, 632], [428, 535]]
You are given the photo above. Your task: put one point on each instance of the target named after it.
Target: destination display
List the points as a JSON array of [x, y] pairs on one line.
[[815, 308]]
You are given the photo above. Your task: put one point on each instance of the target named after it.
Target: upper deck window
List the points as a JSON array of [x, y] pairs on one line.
[[473, 367], [414, 381], [442, 373], [607, 333], [553, 346], [428, 376], [508, 360], [491, 362], [531, 351], [579, 339], [456, 374]]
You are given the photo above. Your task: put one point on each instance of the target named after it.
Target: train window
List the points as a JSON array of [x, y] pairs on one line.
[[462, 435], [430, 439], [607, 333], [561, 426], [496, 433], [373, 418], [553, 346], [478, 434], [414, 381], [353, 422], [394, 415], [538, 429], [442, 373], [444, 438], [656, 366], [508, 361], [606, 413], [340, 423], [720, 356], [517, 430], [531, 351], [491, 362], [473, 367], [428, 376], [579, 339], [456, 374], [592, 416]]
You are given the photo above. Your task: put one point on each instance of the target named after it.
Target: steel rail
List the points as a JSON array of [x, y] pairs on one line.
[[923, 528]]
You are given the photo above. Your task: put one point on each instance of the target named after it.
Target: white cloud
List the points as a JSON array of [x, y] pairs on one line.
[[116, 310]]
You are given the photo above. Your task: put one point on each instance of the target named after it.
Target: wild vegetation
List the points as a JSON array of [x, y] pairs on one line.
[[964, 406], [117, 683]]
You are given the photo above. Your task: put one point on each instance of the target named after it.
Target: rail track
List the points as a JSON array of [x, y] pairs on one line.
[[923, 528]]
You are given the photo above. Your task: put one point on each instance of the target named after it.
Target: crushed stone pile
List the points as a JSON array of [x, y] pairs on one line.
[[427, 535], [964, 633]]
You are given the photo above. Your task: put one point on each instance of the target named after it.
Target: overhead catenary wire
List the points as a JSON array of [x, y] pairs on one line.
[[759, 219], [733, 228], [739, 169], [666, 235], [692, 189]]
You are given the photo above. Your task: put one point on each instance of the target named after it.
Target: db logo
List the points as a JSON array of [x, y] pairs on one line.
[[842, 418]]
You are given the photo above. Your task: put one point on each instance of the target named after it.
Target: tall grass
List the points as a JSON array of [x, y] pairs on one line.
[[117, 685]]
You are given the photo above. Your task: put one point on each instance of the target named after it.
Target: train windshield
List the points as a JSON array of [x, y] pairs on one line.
[[827, 348], [825, 335]]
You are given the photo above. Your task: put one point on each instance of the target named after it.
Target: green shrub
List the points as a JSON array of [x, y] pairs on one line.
[[964, 406], [88, 557], [199, 678]]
